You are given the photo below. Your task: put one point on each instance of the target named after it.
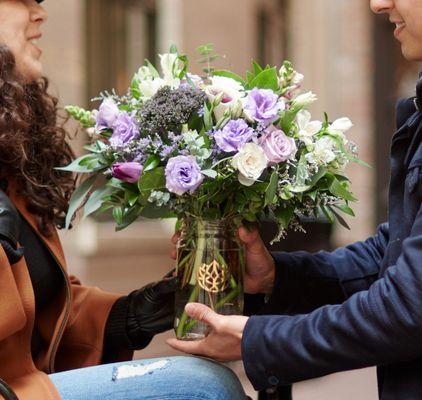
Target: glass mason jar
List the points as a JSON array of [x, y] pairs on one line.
[[210, 269]]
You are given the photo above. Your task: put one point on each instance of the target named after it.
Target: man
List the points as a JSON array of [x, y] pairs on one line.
[[356, 307]]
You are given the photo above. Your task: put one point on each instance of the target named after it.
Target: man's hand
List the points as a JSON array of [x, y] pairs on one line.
[[260, 267], [224, 341]]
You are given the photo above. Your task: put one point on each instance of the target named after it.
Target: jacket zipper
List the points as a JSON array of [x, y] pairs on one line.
[[67, 311]]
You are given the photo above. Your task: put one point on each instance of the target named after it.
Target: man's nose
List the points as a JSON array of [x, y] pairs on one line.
[[382, 6]]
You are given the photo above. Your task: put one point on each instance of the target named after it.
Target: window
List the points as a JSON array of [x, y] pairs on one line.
[[120, 35], [272, 31]]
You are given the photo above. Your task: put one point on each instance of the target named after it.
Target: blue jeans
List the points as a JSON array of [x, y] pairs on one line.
[[175, 378]]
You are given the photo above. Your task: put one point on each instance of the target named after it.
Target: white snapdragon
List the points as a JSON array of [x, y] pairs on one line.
[[196, 145], [295, 80], [304, 100], [307, 128], [251, 162], [229, 91], [323, 153]]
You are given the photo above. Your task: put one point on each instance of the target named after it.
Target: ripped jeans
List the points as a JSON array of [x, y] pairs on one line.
[[175, 378]]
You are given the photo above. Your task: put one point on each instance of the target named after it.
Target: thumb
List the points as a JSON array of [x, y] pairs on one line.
[[202, 313], [252, 240]]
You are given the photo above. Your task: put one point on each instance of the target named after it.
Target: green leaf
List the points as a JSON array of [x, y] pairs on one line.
[[153, 180], [118, 214], [210, 173], [79, 165], [340, 219], [358, 161], [134, 88], [78, 198], [345, 208], [284, 215], [256, 68], [328, 213], [271, 189], [152, 162], [337, 189], [154, 212], [96, 200], [208, 121], [229, 74], [267, 79]]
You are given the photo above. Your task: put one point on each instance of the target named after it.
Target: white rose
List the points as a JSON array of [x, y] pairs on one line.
[[307, 128], [323, 152], [304, 100], [230, 91], [251, 162]]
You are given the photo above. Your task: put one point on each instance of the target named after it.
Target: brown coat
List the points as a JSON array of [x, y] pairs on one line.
[[72, 327]]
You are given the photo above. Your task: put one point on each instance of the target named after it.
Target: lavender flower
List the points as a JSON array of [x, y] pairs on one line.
[[106, 115], [183, 175], [127, 172], [125, 130], [277, 146], [263, 105], [234, 135]]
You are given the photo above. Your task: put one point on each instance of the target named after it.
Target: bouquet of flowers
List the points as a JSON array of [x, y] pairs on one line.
[[214, 151]]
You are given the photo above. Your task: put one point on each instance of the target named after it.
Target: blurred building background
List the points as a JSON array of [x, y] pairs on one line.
[[349, 59]]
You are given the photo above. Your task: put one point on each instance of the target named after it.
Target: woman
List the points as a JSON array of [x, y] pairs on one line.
[[49, 322]]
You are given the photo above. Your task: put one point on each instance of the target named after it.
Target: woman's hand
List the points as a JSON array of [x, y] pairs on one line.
[[260, 266], [225, 338], [151, 310]]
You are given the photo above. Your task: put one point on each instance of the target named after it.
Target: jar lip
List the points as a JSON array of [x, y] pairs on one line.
[[226, 223]]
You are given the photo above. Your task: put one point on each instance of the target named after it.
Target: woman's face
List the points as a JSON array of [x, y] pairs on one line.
[[20, 30], [407, 17]]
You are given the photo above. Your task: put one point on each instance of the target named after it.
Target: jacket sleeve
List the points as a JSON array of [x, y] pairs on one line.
[[86, 328], [374, 327], [307, 281]]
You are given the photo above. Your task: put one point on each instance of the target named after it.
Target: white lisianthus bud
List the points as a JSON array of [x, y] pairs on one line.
[[304, 100], [251, 162], [341, 125], [144, 73], [297, 78]]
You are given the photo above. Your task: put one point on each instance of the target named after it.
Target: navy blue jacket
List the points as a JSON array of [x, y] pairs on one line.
[[358, 306]]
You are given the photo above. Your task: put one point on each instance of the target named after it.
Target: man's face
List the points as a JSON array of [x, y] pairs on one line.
[[407, 17]]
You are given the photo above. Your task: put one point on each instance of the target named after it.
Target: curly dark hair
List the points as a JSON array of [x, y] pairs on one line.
[[32, 144]]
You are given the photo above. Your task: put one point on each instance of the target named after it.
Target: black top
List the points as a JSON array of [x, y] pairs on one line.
[[46, 277]]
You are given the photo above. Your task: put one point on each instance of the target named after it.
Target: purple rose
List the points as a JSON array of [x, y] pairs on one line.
[[234, 135], [277, 146], [107, 114], [263, 105], [183, 174], [127, 172], [125, 129]]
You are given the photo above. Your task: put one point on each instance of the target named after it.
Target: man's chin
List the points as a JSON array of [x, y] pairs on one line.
[[411, 54]]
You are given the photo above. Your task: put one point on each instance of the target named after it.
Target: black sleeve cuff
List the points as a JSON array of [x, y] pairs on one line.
[[116, 340]]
